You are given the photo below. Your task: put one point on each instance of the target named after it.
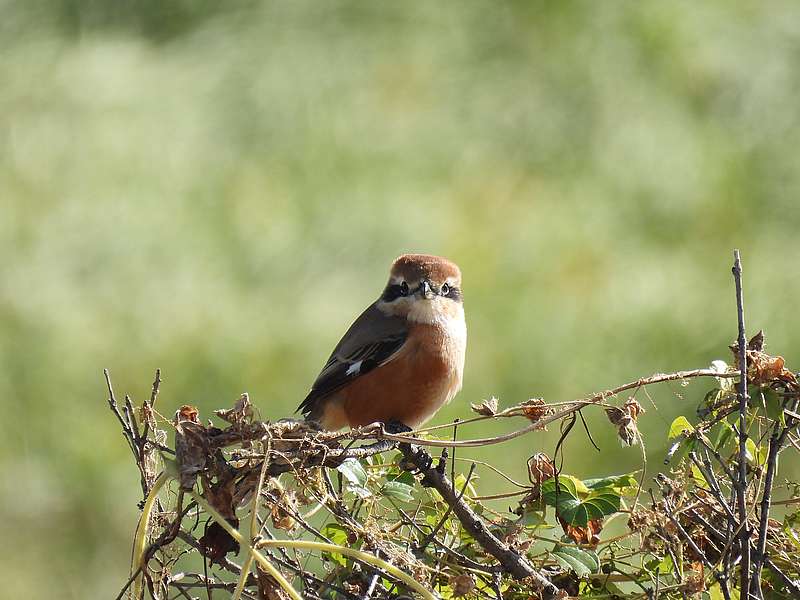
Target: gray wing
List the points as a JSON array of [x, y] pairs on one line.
[[372, 340]]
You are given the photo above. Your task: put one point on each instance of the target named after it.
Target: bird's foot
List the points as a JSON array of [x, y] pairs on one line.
[[415, 458], [395, 426]]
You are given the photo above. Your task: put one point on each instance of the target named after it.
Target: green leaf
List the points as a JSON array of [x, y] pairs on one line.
[[618, 483], [666, 566], [461, 481], [754, 453], [359, 491], [680, 449], [398, 491], [403, 477], [445, 591], [532, 518], [715, 593], [566, 486], [725, 435], [375, 460], [337, 535], [698, 477], [679, 426], [583, 562], [773, 406], [353, 472], [576, 508], [726, 383]]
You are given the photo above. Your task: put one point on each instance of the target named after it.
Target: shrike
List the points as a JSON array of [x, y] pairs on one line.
[[403, 358]]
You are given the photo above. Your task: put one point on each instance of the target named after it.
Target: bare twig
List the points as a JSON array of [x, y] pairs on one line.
[[376, 430], [740, 484], [776, 443]]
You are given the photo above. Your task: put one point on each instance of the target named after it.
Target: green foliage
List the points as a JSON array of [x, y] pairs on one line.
[[576, 503], [581, 562], [679, 427], [338, 535]]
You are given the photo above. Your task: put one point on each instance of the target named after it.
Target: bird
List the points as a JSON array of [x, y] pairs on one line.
[[402, 359]]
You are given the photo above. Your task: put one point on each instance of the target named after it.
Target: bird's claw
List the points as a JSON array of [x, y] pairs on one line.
[[394, 426]]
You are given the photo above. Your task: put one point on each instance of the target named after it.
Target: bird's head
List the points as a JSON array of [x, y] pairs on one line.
[[423, 289]]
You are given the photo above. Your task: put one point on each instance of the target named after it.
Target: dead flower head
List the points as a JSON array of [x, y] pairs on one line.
[[625, 420], [535, 409]]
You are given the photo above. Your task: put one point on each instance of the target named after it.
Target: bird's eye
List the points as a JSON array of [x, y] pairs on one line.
[[404, 289], [444, 290]]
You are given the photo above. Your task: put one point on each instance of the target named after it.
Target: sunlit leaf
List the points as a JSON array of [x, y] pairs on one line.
[[698, 477], [461, 481], [754, 453], [359, 491], [353, 472], [579, 508], [679, 426], [726, 383], [582, 562], [402, 477], [618, 483], [715, 593], [398, 491], [337, 535]]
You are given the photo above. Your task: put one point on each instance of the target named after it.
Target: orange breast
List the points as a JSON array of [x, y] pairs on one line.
[[410, 388]]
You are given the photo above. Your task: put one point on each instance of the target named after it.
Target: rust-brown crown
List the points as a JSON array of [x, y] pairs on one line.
[[414, 267]]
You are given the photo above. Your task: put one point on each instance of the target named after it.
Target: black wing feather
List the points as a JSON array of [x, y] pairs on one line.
[[372, 340]]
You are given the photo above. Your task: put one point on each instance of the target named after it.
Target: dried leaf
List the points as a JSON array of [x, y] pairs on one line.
[[187, 412], [540, 468], [487, 408], [757, 341], [191, 447], [268, 588], [625, 420], [353, 588], [220, 496], [633, 408], [242, 411], [763, 368], [289, 429], [694, 579], [588, 535], [216, 542], [462, 584], [628, 434], [534, 409], [615, 415], [283, 512]]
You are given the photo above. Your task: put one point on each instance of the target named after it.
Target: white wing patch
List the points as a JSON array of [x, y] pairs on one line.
[[355, 368]]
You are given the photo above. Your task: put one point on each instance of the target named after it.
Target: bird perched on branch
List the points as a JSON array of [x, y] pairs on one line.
[[403, 358]]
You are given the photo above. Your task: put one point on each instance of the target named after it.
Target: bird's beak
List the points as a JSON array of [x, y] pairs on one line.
[[426, 290]]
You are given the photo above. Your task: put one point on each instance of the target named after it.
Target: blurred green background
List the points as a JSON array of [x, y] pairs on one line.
[[217, 189]]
